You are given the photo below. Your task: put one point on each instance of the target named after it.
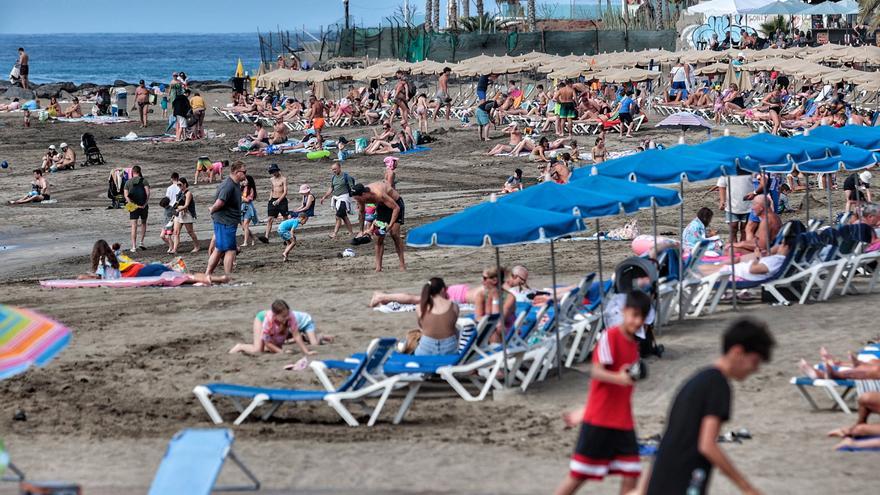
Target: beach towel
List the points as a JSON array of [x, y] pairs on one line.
[[99, 120], [394, 307], [860, 449], [131, 136], [167, 279], [417, 149]]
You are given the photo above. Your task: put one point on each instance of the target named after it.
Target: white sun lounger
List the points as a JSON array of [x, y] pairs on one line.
[[358, 387]]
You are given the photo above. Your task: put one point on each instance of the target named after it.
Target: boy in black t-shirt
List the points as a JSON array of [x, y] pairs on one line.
[[689, 449]]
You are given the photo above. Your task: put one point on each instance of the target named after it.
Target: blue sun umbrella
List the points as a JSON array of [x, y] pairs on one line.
[[853, 135], [666, 166], [571, 199]]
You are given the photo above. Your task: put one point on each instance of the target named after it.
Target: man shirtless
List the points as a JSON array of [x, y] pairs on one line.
[[442, 97], [758, 234], [260, 138], [566, 110], [279, 133], [67, 159], [277, 200], [390, 211], [23, 67], [316, 114], [39, 190]]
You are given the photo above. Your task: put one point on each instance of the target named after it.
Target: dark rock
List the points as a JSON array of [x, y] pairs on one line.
[[54, 89], [4, 84], [120, 82], [64, 95], [86, 86], [17, 92]]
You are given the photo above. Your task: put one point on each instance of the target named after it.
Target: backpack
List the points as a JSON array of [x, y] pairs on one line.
[[410, 89], [347, 179], [137, 193]]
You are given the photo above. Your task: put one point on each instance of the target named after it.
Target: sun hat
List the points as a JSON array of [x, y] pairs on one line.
[[865, 177], [391, 161], [305, 189], [52, 147], [63, 145], [274, 168]]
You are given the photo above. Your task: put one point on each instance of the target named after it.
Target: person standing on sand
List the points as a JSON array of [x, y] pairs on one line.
[[390, 212], [23, 67], [316, 114], [565, 109], [339, 193], [142, 99], [226, 214], [442, 95], [689, 448], [173, 90], [277, 200], [137, 193], [181, 109]]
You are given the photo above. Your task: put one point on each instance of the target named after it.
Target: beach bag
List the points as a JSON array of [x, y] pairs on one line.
[[410, 89], [360, 144], [318, 155]]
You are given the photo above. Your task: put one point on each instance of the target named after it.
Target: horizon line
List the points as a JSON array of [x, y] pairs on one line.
[[139, 32]]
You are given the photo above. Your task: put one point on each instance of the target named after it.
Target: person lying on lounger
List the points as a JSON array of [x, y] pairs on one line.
[[756, 267], [516, 283], [278, 326]]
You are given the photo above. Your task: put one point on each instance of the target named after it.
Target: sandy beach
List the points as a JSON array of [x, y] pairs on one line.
[[102, 413]]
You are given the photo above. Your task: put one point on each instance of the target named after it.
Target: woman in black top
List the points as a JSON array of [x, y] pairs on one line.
[[773, 100]]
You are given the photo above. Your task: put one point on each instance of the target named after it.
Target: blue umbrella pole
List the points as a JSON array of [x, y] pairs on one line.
[[556, 314], [681, 252], [767, 202], [501, 294], [656, 259], [828, 193], [807, 199], [601, 278], [732, 237]]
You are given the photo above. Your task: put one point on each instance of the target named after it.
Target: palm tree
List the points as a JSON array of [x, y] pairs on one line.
[[429, 4], [658, 14], [479, 8], [531, 15], [870, 12], [452, 14], [465, 9], [436, 12]]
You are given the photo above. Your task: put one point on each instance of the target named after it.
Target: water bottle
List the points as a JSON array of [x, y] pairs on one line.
[[696, 485]]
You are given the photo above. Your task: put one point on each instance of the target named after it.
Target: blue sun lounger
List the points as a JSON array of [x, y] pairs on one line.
[[831, 387], [193, 462], [358, 387]]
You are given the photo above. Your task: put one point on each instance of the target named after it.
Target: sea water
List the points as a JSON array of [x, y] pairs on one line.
[[104, 58]]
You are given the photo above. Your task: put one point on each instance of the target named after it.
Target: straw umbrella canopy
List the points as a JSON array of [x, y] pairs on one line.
[[629, 75], [427, 68], [280, 77], [711, 69]]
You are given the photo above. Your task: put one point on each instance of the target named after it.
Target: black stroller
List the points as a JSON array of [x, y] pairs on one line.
[[630, 275], [90, 148]]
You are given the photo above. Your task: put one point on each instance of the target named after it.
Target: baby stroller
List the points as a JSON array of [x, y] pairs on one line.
[[102, 102], [90, 148], [633, 274], [115, 185]]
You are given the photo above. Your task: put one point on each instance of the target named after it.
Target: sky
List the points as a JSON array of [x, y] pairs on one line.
[[192, 16]]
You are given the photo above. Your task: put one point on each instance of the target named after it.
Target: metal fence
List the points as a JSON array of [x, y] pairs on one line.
[[414, 44]]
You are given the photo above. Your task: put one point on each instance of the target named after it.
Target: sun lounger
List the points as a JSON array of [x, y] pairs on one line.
[[193, 462], [357, 387], [831, 387]]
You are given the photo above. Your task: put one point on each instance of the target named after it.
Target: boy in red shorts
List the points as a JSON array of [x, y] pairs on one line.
[[607, 442]]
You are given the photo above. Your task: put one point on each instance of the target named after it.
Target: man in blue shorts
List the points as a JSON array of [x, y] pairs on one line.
[[226, 214]]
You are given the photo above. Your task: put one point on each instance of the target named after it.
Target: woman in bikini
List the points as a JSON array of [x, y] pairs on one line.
[[774, 107], [515, 138], [488, 300], [599, 152], [437, 317], [422, 112]]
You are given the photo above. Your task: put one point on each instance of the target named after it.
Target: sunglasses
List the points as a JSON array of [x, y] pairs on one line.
[[493, 277]]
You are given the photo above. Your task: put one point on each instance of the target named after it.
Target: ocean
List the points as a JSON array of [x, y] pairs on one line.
[[104, 58]]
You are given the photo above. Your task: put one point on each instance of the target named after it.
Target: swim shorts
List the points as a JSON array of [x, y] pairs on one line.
[[482, 116], [481, 94], [140, 213], [152, 270], [23, 70], [602, 451], [383, 213], [318, 123], [224, 237], [566, 110], [625, 117], [281, 208]]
